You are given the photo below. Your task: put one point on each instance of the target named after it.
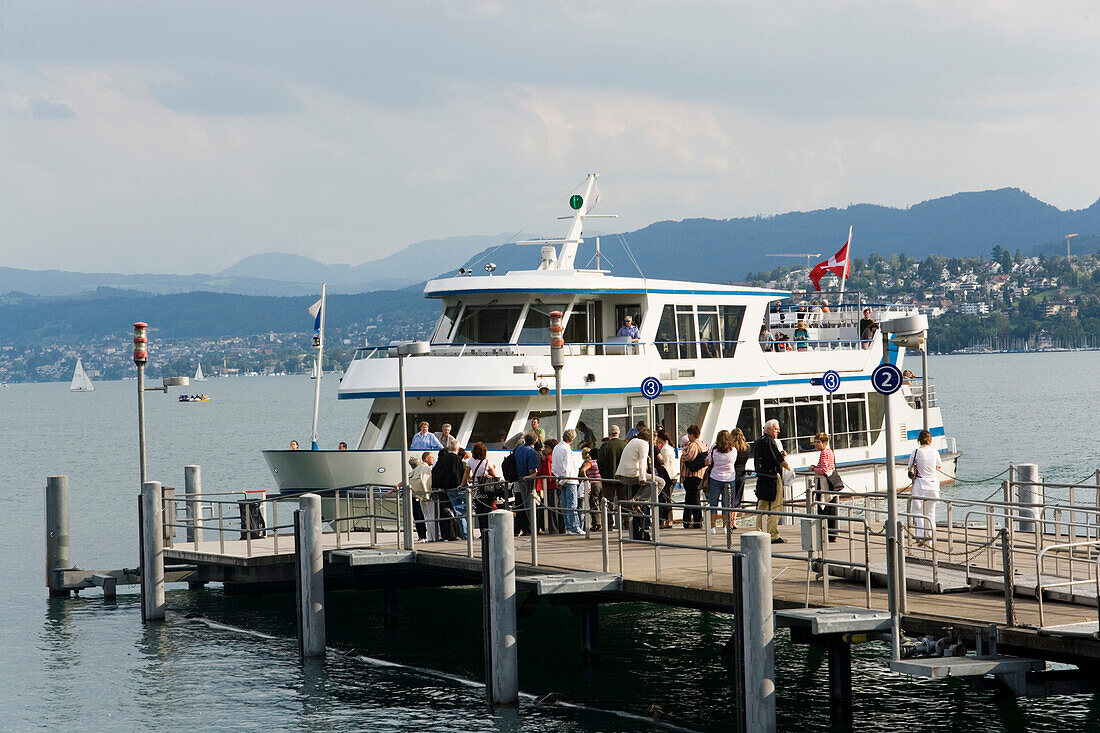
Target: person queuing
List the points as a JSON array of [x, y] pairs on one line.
[[722, 461], [769, 462], [692, 468], [826, 497], [632, 472], [479, 475], [527, 463], [420, 483], [607, 458], [548, 490], [590, 468], [446, 476], [925, 464], [743, 454], [563, 465]]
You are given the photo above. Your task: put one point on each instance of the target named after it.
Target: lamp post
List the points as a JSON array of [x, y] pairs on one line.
[[413, 348], [908, 331], [557, 361], [141, 357]]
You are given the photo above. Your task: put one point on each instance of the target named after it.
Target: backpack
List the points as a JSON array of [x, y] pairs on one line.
[[698, 462], [508, 467]]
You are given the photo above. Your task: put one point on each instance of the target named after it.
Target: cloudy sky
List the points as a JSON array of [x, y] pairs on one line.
[[180, 137]]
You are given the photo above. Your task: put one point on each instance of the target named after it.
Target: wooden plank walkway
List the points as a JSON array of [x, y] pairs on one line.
[[684, 581]]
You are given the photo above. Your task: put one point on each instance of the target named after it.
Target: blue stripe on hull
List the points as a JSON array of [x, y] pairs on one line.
[[583, 391]]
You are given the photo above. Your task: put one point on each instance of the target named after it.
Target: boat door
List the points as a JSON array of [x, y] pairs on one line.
[[664, 413]]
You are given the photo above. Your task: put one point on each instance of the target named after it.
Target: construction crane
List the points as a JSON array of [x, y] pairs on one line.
[[808, 255]]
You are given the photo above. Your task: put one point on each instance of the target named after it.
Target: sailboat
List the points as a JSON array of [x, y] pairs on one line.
[[81, 382], [199, 375]]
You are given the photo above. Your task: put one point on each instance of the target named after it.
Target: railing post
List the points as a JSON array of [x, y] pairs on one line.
[[604, 539], [168, 509], [152, 552], [370, 510], [469, 522], [310, 568], [1010, 577], [57, 532], [192, 487], [533, 509]]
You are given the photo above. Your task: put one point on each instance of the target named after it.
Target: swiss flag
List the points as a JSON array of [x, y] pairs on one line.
[[837, 264]]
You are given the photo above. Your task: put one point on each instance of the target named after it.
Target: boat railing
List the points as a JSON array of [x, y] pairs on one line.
[[816, 345], [621, 347], [913, 391]]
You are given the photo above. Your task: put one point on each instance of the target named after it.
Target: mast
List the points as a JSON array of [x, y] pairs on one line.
[[319, 342]]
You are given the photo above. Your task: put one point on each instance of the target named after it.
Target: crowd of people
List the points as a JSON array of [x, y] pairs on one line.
[[546, 474]]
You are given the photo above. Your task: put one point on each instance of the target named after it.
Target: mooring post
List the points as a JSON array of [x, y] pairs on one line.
[[311, 577], [840, 680], [590, 633], [192, 488], [389, 607], [57, 532], [1028, 491], [152, 552], [759, 632], [501, 658]]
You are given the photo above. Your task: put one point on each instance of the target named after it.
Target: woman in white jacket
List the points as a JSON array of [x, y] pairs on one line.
[[926, 486]]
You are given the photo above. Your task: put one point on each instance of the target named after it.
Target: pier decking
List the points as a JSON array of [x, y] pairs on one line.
[[966, 608]]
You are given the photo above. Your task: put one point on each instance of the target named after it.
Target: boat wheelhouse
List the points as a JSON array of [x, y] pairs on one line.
[[488, 374]]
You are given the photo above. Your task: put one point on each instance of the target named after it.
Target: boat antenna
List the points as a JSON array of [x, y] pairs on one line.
[[626, 247], [598, 255]]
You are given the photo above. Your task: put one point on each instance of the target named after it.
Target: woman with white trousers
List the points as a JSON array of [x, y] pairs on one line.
[[926, 486]]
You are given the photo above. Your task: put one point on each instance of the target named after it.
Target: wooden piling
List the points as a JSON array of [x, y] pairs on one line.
[[311, 577], [152, 552], [57, 532], [759, 632], [502, 661]]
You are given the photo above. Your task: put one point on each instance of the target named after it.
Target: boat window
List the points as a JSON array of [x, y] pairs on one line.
[[548, 421], [690, 413], [536, 327], [593, 420], [446, 322], [491, 428], [622, 310], [809, 413], [800, 419], [708, 332], [666, 334], [487, 324], [748, 421], [685, 330], [617, 416], [435, 422], [849, 421], [876, 410], [576, 328], [731, 318], [374, 428]]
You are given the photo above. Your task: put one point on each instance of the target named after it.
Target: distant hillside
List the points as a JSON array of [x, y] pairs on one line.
[[721, 250], [110, 312], [266, 274]]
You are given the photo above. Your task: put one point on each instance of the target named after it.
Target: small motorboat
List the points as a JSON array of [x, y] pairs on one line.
[[194, 398]]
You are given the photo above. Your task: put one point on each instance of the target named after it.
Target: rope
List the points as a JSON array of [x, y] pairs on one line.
[[973, 481]]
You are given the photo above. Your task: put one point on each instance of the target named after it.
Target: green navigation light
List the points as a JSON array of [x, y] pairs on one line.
[[576, 202]]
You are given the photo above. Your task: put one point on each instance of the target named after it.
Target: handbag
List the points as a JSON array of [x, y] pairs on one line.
[[912, 472], [788, 477], [836, 483], [704, 483]]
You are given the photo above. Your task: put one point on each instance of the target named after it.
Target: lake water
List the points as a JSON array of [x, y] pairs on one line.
[[82, 662]]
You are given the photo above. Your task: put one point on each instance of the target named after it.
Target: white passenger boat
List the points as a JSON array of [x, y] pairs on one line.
[[699, 339]]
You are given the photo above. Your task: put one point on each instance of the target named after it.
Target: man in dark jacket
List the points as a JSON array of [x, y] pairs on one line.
[[607, 458], [769, 461], [446, 476], [527, 463]]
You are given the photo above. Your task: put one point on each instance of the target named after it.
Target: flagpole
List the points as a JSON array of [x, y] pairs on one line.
[[320, 371], [847, 266]]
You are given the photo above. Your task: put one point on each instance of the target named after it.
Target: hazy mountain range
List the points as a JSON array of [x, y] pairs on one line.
[[266, 274], [714, 250]]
